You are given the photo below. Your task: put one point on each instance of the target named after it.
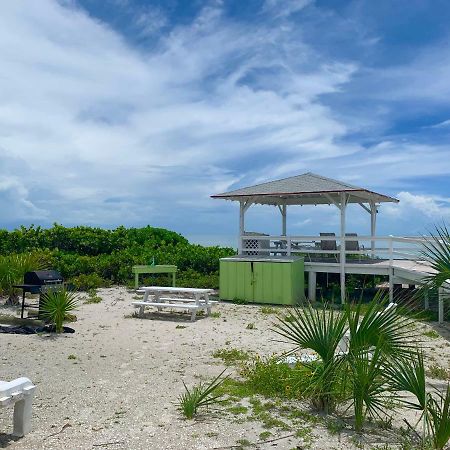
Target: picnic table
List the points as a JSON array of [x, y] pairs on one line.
[[162, 297], [149, 269]]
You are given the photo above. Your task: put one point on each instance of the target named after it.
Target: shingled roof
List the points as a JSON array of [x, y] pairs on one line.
[[304, 189]]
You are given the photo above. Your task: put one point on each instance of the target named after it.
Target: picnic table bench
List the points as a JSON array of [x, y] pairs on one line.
[[198, 300]]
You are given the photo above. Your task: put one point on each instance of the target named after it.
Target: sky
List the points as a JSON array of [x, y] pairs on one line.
[[133, 112]]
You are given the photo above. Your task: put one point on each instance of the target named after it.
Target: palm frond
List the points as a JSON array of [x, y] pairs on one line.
[[439, 410], [381, 326], [309, 328]]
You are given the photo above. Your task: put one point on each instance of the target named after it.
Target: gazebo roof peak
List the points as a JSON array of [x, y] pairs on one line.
[[304, 189]]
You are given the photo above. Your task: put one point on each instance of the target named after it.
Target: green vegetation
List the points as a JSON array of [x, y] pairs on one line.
[[431, 334], [231, 355], [269, 310], [94, 257], [92, 297], [267, 377], [13, 268], [57, 304], [438, 372], [202, 395]]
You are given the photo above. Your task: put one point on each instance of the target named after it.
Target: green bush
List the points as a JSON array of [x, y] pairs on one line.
[[85, 282], [94, 257]]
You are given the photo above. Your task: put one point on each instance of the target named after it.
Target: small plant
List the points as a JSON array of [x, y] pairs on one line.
[[56, 304], [438, 372], [268, 310], [251, 326], [202, 395], [72, 357], [240, 301], [231, 356], [265, 435], [92, 297], [215, 314], [431, 334]]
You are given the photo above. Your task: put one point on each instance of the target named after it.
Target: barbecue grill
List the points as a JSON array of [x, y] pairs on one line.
[[39, 282]]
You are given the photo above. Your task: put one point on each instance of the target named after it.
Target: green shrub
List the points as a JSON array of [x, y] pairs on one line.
[[93, 257], [88, 282], [268, 377]]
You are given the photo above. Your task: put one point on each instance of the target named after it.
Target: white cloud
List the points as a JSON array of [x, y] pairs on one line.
[[97, 131], [283, 8], [95, 119]]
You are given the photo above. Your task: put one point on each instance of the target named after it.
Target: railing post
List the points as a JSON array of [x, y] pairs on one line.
[[391, 270], [441, 305], [289, 246]]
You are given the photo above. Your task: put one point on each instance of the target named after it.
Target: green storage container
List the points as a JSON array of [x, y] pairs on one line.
[[275, 279]]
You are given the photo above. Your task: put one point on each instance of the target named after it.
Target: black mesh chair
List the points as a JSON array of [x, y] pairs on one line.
[[329, 244]]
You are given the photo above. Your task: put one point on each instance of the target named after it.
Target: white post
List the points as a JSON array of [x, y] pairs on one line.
[[342, 249], [288, 246], [373, 225], [241, 225], [391, 270], [312, 286], [391, 284], [283, 215], [441, 305]]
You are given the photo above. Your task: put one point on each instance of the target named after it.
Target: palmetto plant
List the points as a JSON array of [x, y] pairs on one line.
[[437, 252], [367, 384], [358, 372], [56, 304], [199, 396], [381, 326], [320, 331], [408, 375], [439, 414], [13, 268]]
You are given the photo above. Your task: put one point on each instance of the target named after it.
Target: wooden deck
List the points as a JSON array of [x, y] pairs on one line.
[[404, 271]]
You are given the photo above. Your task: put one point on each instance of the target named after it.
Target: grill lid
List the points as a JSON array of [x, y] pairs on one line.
[[41, 277]]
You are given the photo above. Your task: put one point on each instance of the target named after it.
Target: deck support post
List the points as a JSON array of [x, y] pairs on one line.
[[312, 286], [426, 299], [391, 284], [243, 206], [373, 225], [283, 210], [441, 295], [343, 206]]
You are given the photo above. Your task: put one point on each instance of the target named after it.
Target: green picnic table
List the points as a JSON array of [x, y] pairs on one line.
[[159, 268]]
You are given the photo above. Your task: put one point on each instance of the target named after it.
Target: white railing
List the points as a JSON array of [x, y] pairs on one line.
[[368, 247]]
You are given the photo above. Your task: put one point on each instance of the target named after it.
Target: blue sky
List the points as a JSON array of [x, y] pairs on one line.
[[135, 112]]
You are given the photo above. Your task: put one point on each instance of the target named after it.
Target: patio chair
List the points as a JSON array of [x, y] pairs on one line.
[[353, 246], [19, 393], [329, 244]]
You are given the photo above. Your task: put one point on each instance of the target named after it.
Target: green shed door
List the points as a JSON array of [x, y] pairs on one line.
[[236, 280], [273, 283]]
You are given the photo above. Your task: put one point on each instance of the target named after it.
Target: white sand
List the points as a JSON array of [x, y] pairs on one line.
[[121, 390]]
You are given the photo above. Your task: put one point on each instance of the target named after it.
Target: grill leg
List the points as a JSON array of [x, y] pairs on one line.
[[23, 304]]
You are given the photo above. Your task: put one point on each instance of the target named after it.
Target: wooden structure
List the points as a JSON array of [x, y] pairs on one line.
[[399, 258]]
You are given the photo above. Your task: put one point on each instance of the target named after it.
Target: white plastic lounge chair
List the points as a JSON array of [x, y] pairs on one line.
[[19, 393], [343, 346]]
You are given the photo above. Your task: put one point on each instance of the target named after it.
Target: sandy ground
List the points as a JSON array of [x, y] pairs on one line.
[[121, 389]]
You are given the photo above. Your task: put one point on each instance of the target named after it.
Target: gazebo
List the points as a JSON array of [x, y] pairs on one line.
[[309, 189]]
